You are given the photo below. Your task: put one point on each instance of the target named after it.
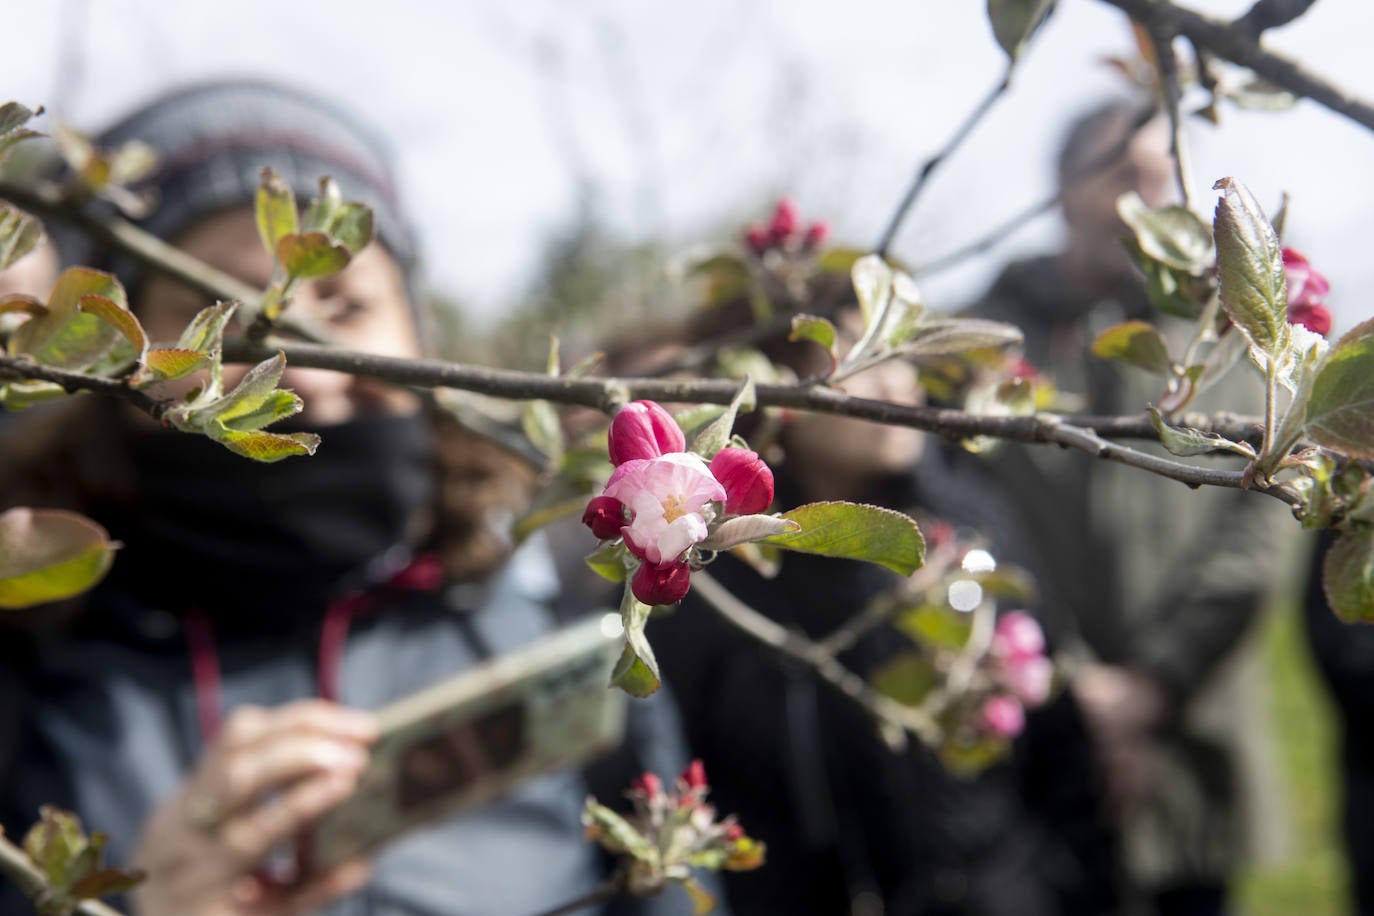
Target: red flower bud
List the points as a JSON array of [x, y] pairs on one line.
[[649, 784], [815, 236], [605, 516], [1316, 318], [666, 584], [695, 775], [1022, 368], [1305, 285], [757, 239], [784, 221], [643, 429], [733, 831], [747, 480]]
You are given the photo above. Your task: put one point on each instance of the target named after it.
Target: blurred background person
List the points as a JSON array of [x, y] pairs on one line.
[[1158, 586], [206, 702]]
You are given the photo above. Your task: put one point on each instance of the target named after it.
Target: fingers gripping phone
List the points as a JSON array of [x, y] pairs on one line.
[[475, 736]]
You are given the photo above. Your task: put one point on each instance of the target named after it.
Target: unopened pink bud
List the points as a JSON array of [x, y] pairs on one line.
[[664, 584], [784, 221], [1306, 286], [605, 516], [733, 831], [649, 784], [1316, 318], [695, 775], [816, 235], [1003, 716], [747, 480], [757, 239], [1017, 636], [643, 429]]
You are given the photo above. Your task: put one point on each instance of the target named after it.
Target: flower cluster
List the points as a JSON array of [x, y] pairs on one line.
[[671, 832], [783, 232], [664, 500], [1306, 291], [1020, 669]]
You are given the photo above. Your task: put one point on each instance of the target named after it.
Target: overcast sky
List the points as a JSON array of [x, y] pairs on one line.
[[686, 118]]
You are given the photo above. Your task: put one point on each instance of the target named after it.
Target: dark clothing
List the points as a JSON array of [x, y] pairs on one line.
[[1344, 653], [846, 819]]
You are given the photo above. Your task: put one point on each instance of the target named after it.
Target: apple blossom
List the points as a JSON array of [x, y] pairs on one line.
[[1029, 678], [1017, 636], [643, 429], [1003, 716], [669, 499], [747, 480], [1306, 290]]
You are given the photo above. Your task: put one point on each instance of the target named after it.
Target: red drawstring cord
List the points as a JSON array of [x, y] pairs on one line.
[[205, 674]]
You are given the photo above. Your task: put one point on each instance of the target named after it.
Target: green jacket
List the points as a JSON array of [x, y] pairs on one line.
[[1143, 572]]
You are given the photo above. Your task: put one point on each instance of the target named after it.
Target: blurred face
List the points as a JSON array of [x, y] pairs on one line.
[[32, 275], [365, 308], [1089, 206]]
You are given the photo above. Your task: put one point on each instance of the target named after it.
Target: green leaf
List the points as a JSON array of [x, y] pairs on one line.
[[66, 337], [959, 335], [745, 528], [1187, 442], [717, 435], [1348, 575], [540, 422], [19, 234], [937, 627], [277, 405], [275, 209], [637, 671], [813, 328], [173, 363], [322, 211], [205, 333], [872, 286], [839, 261], [907, 678], [48, 555], [1340, 411], [54, 844], [615, 833], [352, 226], [1135, 343], [540, 516], [608, 561], [856, 532], [1254, 288], [131, 162], [119, 318], [309, 255], [1014, 22], [248, 395], [1170, 291], [268, 447], [726, 277], [13, 116], [1173, 235]]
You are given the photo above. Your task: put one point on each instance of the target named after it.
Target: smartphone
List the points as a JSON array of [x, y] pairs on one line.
[[475, 736]]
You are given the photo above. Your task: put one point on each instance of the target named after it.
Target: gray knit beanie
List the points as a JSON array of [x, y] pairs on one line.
[[213, 140]]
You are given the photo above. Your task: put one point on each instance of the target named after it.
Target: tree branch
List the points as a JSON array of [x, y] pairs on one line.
[[47, 200], [797, 647], [1241, 47], [16, 864], [20, 368], [1270, 14], [928, 168], [1173, 95]]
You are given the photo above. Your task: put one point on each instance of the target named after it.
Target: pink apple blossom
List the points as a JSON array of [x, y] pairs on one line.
[[1305, 285], [1017, 636], [669, 498], [1030, 678], [1003, 716]]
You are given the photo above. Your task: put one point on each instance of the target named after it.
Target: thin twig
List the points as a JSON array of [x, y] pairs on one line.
[[928, 168], [1240, 47], [20, 368], [46, 199], [1173, 96], [16, 864], [797, 647], [1000, 232]]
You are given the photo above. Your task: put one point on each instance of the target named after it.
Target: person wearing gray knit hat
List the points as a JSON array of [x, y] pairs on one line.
[[204, 704]]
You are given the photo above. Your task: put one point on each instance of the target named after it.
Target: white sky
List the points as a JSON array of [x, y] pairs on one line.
[[691, 117]]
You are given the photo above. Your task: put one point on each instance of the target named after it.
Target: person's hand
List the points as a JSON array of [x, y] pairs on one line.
[[1122, 708], [269, 774]]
